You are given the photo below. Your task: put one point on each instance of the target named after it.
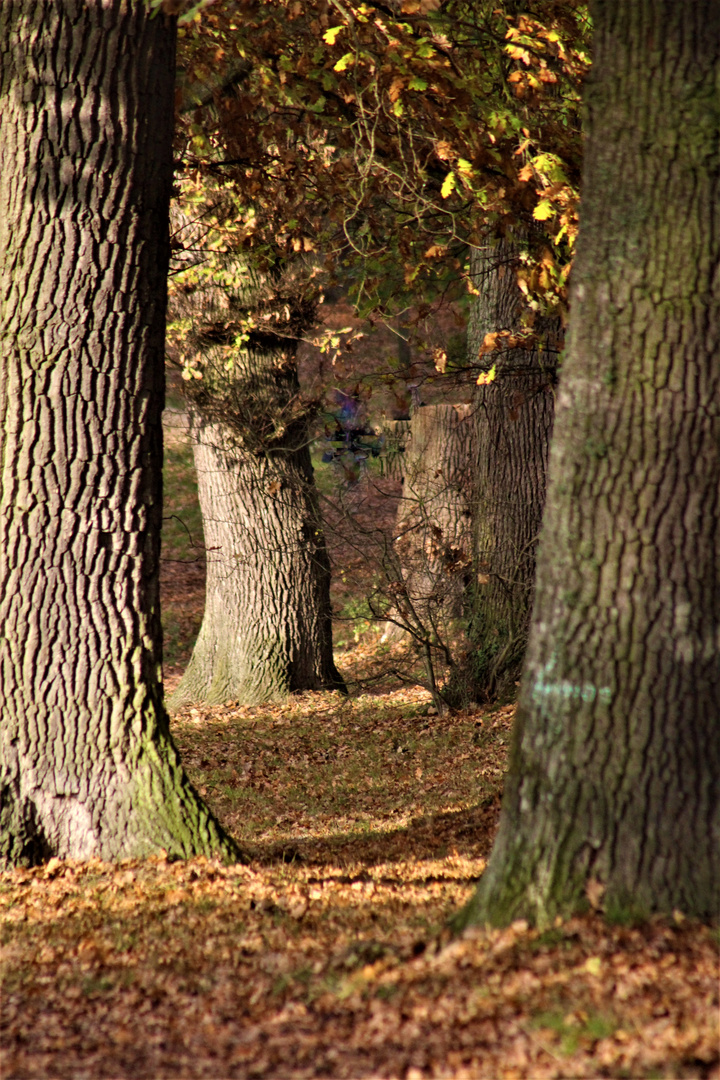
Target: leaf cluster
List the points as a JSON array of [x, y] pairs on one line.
[[380, 140]]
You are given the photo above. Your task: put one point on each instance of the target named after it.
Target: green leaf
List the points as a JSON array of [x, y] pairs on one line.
[[192, 13], [549, 165], [331, 34], [398, 108], [425, 50], [543, 210], [417, 84], [449, 184]]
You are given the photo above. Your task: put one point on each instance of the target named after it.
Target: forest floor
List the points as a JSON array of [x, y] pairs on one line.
[[367, 821]]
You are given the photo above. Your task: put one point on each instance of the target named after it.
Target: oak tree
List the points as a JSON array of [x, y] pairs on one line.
[[87, 764], [613, 796]]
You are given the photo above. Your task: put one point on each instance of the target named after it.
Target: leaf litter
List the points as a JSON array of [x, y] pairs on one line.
[[368, 822]]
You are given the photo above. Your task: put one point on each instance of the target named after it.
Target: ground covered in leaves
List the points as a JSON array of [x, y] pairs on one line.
[[367, 823]]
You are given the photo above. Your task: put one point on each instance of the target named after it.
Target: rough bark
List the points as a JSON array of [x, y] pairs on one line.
[[396, 435], [267, 628], [433, 529], [87, 765], [614, 786], [514, 415]]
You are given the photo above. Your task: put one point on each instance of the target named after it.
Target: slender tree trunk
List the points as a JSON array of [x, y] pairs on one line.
[[87, 765], [514, 423], [614, 786], [434, 517], [267, 628]]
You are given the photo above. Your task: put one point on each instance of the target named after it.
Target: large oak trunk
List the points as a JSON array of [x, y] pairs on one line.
[[614, 786], [267, 627], [87, 765]]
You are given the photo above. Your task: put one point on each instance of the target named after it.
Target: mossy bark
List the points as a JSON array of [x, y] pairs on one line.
[[87, 764], [614, 785]]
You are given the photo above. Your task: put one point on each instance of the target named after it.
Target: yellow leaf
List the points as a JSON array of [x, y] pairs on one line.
[[441, 358], [543, 210], [593, 965], [330, 35], [344, 61], [486, 377], [448, 185]]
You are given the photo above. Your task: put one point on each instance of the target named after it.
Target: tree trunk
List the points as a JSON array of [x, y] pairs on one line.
[[614, 789], [396, 434], [514, 422], [87, 765], [267, 628], [433, 530]]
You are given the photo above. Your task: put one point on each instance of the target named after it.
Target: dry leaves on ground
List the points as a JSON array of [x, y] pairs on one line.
[[329, 955]]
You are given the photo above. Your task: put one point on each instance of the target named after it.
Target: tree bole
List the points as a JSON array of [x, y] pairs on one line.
[[514, 419], [87, 764], [613, 795], [267, 627]]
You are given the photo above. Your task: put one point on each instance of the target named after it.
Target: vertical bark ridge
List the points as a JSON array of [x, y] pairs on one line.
[[615, 774], [267, 627], [514, 424], [87, 766], [433, 528]]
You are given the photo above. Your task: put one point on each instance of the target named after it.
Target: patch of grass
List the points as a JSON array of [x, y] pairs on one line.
[[571, 1030], [179, 633], [356, 769], [182, 567], [182, 534], [550, 939]]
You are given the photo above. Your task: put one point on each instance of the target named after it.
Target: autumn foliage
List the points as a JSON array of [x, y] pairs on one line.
[[386, 138]]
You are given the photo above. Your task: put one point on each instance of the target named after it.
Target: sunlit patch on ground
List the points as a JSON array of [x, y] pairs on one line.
[[367, 821], [330, 955]]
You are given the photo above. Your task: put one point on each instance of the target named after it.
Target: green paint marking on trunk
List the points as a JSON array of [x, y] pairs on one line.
[[544, 688]]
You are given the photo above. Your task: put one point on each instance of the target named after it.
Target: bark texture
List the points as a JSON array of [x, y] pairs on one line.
[[514, 418], [614, 788], [267, 628], [87, 765], [433, 530]]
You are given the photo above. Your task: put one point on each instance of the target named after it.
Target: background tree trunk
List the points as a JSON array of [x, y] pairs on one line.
[[433, 530], [267, 628], [613, 789], [514, 418], [87, 766]]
